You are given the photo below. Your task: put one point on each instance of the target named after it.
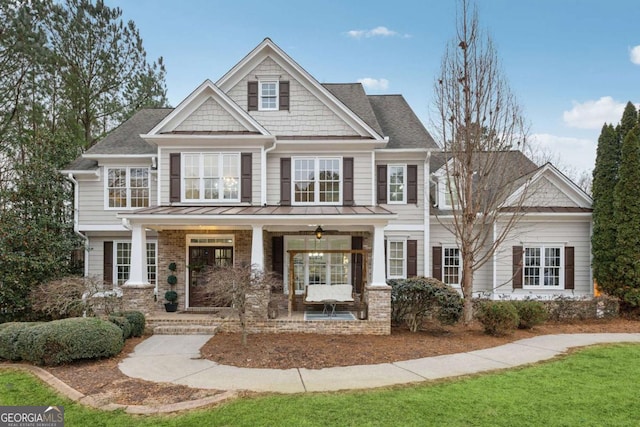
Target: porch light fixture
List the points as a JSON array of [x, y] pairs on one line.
[[319, 232]]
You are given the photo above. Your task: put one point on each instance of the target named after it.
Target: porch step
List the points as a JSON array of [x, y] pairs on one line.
[[185, 329]]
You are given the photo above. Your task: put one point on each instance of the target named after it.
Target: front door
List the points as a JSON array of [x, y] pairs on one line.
[[199, 257]]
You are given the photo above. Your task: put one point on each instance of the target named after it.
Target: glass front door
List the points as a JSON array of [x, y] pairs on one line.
[[200, 257]]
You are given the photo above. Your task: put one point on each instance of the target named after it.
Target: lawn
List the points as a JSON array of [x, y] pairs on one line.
[[592, 387]]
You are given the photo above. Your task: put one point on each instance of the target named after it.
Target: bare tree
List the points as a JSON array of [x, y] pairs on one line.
[[478, 121], [244, 288]]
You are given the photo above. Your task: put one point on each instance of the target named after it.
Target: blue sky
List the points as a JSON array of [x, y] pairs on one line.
[[573, 64]]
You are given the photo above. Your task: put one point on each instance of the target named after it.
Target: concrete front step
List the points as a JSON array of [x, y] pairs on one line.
[[185, 329]]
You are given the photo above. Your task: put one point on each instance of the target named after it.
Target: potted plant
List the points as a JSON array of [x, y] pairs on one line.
[[172, 301]]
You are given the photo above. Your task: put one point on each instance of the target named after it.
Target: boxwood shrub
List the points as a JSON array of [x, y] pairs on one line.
[[530, 313], [497, 317], [61, 341], [137, 320], [123, 323]]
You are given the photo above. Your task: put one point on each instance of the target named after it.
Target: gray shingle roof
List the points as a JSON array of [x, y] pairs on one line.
[[125, 138], [400, 123], [353, 96]]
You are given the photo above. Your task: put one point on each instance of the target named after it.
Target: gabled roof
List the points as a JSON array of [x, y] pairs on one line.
[[207, 90], [267, 48], [125, 139], [353, 96], [400, 123]]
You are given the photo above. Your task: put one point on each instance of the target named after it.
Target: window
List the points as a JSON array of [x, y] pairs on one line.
[[211, 177], [268, 95], [317, 180], [448, 193], [122, 262], [396, 265], [451, 266], [318, 267], [397, 188], [543, 266], [127, 187]]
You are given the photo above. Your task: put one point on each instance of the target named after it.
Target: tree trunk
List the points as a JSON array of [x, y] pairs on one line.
[[467, 293]]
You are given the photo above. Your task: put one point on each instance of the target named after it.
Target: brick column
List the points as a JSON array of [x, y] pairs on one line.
[[138, 298], [379, 305]]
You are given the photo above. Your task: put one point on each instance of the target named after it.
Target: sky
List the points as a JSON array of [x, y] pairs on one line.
[[572, 64]]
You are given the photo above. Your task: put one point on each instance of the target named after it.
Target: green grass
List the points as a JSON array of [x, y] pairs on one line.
[[594, 387]]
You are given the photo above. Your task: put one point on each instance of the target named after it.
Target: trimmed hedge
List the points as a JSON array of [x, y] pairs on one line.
[[530, 313], [498, 317], [61, 341], [136, 323], [415, 299], [123, 324]]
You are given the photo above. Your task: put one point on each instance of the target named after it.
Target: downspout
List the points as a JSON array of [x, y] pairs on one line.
[[494, 287], [427, 214], [263, 171], [74, 182], [374, 187]]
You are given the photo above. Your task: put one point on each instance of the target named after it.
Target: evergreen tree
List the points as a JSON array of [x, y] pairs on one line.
[[627, 218], [628, 121], [603, 240]]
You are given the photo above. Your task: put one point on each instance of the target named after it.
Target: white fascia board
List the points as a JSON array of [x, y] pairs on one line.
[[260, 52], [302, 220], [406, 150], [184, 140], [307, 145], [101, 227], [93, 172]]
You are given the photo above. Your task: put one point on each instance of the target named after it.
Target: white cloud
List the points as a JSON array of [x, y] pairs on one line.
[[569, 154], [634, 54], [374, 32], [593, 114], [374, 84]]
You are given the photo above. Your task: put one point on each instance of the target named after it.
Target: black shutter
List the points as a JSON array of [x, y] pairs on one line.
[[252, 96], [277, 255], [107, 262], [382, 184], [174, 177], [412, 258], [436, 260], [356, 264], [283, 95], [517, 267], [347, 181], [412, 184], [569, 267], [285, 181], [245, 177]]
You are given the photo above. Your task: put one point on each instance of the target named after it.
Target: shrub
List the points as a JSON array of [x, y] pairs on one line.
[[171, 296], [137, 321], [497, 317], [530, 313], [66, 340], [123, 323], [418, 298], [10, 338]]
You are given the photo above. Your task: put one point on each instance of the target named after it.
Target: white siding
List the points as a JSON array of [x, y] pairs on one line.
[[210, 116], [545, 193], [306, 116], [408, 213]]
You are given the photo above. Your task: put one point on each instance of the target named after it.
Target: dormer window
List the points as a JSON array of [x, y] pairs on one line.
[[447, 193], [268, 95]]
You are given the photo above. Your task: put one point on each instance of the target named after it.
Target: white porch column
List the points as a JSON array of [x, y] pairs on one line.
[[138, 268], [378, 277], [257, 248]]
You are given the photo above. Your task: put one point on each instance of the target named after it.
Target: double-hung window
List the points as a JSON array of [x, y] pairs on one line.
[[317, 180], [211, 177], [396, 259], [448, 193], [451, 266], [397, 188], [268, 95], [122, 262], [127, 187], [543, 267]]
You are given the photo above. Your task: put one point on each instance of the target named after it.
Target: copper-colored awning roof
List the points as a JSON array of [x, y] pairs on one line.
[[260, 210]]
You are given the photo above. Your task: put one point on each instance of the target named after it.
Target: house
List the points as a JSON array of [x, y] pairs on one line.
[[269, 167]]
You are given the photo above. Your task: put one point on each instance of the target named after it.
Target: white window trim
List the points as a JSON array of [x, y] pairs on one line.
[[542, 247], [404, 258], [114, 260], [268, 80], [287, 239], [443, 192], [128, 206], [455, 285], [404, 184], [201, 199], [316, 187]]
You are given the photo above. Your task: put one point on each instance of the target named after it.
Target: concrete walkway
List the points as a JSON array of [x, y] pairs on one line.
[[176, 359]]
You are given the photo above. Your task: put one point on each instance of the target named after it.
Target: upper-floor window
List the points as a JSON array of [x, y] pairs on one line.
[[397, 189], [447, 193], [543, 266], [268, 95], [211, 177], [317, 180], [127, 187]]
